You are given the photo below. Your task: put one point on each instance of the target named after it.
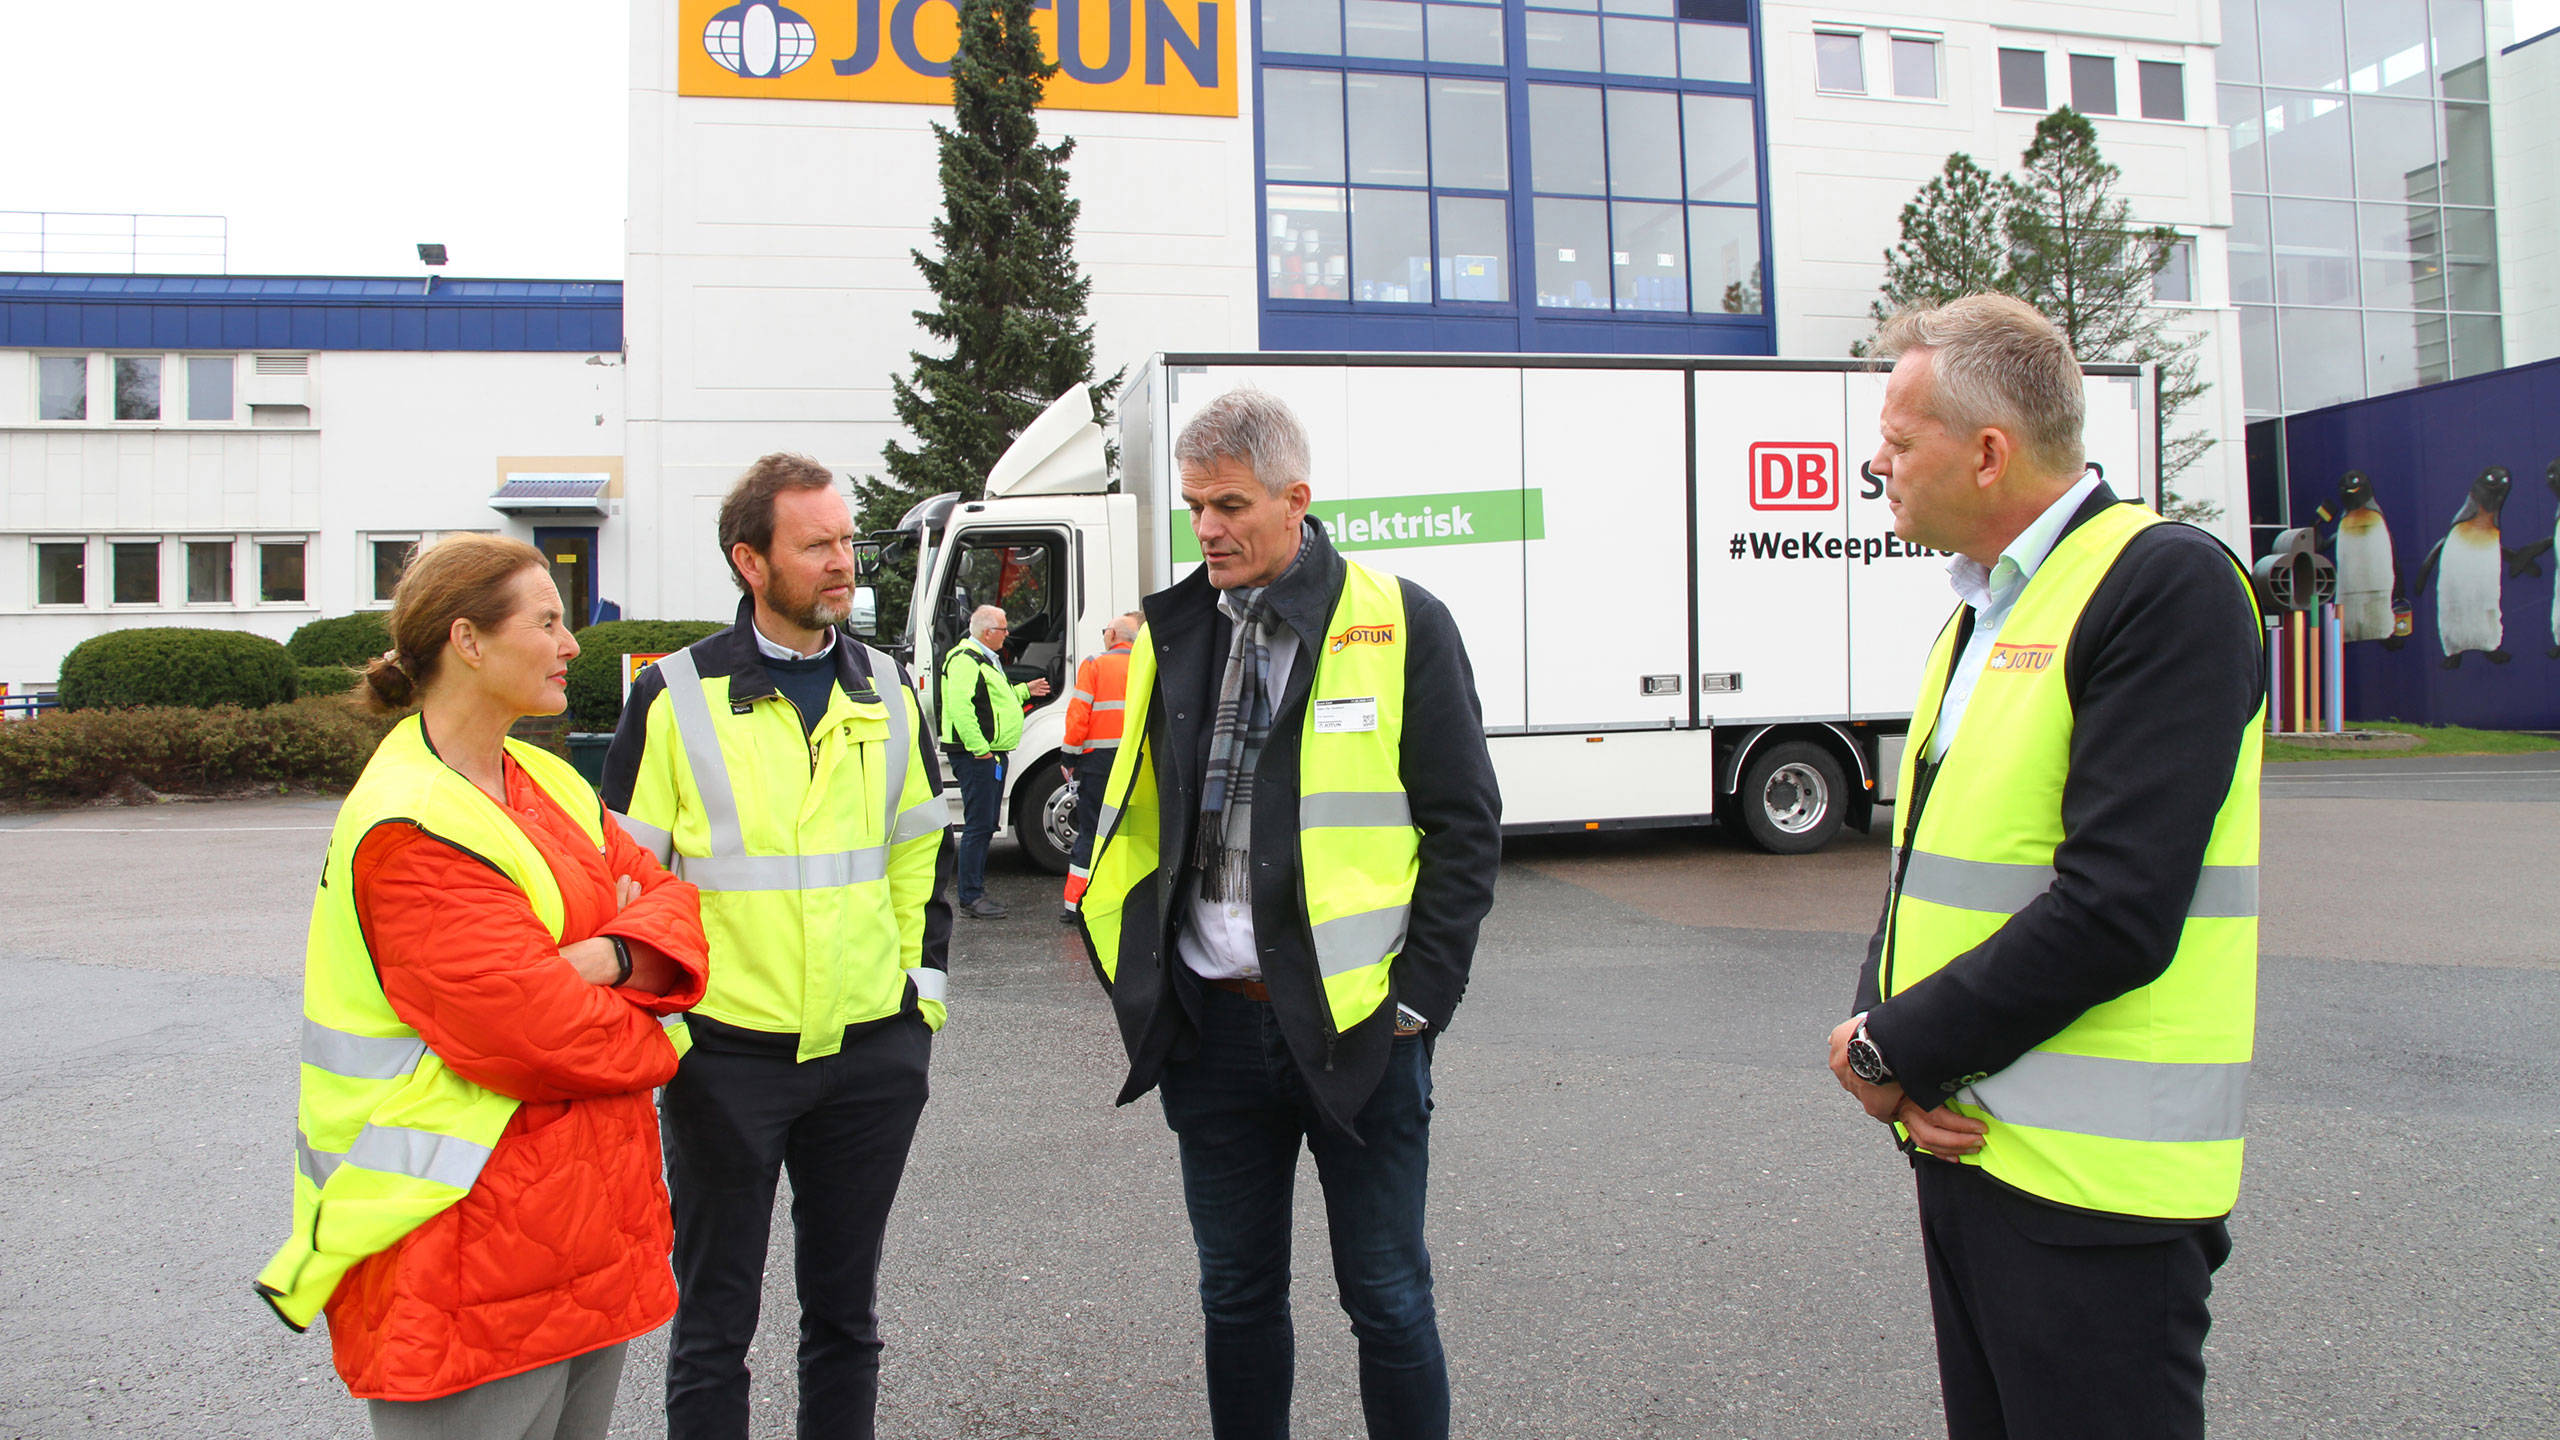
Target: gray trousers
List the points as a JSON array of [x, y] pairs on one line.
[[569, 1399]]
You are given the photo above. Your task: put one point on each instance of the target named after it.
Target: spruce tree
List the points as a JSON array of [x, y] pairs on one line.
[[2055, 236], [1009, 300]]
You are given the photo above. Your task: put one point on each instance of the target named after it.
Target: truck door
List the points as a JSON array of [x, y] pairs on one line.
[[1026, 571]]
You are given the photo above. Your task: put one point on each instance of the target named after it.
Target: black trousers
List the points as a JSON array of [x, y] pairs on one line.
[[733, 1119], [1093, 773], [2054, 1325]]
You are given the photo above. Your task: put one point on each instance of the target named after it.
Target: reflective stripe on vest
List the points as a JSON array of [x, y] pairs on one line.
[[386, 1135], [761, 898], [2135, 1108], [1358, 853]]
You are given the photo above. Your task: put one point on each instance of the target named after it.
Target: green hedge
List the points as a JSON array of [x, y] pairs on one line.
[[162, 665], [595, 677], [341, 639], [81, 754], [329, 679]]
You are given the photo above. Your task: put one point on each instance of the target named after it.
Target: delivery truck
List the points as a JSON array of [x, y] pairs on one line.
[[1678, 583]]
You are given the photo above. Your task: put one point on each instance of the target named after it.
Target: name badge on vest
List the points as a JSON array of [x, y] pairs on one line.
[[1345, 717]]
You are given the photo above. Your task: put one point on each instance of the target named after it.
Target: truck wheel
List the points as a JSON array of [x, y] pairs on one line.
[[1793, 798], [1044, 818]]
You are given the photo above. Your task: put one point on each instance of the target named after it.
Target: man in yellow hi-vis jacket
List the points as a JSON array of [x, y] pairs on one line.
[[2057, 1011], [783, 768], [1297, 845]]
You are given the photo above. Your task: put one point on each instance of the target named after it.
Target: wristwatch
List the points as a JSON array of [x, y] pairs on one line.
[[1865, 1061]]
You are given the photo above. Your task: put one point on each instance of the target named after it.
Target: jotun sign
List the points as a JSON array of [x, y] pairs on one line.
[[1162, 57]]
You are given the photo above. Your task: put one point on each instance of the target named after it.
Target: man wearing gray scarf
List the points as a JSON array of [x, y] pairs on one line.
[[1269, 1010]]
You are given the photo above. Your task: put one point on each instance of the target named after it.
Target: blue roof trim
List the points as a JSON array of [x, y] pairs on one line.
[[307, 312]]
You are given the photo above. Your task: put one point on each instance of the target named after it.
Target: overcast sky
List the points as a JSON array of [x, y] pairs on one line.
[[337, 134]]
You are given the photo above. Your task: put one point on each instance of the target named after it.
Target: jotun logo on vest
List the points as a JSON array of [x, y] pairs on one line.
[[2019, 657], [1166, 57]]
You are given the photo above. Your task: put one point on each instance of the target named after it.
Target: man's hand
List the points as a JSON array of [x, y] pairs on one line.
[[1880, 1101], [1037, 689], [1941, 1131]]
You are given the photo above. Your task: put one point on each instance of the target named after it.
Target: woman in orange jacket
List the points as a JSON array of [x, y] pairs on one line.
[[507, 1314]]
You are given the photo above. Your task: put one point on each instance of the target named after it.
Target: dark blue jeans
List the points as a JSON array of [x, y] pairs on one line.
[[981, 793], [1240, 1111]]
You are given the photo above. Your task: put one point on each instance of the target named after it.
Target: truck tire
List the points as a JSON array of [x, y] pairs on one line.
[[1793, 798], [1044, 817]]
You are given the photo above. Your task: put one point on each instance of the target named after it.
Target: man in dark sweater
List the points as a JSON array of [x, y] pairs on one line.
[[2057, 1008]]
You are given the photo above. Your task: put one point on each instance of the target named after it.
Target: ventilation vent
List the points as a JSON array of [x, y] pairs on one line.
[[284, 364]]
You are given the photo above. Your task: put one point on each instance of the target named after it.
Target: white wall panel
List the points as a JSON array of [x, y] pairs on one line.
[[1773, 613]]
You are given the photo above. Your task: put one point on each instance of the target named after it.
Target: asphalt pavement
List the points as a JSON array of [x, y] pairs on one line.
[[1653, 1214]]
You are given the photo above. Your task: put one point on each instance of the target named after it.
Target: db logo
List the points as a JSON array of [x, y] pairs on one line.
[[1797, 476], [2020, 657]]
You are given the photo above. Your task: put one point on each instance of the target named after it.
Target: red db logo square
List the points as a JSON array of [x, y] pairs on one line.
[[1795, 476]]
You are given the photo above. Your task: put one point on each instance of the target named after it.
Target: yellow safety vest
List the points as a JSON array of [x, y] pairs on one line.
[[2135, 1107], [814, 848], [389, 1137], [1358, 852]]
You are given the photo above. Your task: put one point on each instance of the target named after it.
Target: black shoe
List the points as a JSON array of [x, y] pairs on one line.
[[1067, 915], [985, 907]]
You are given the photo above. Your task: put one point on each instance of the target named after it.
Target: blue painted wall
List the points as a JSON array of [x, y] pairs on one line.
[[2422, 449], [254, 312]]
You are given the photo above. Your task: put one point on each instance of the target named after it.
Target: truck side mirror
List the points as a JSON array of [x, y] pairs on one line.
[[866, 558], [866, 611]]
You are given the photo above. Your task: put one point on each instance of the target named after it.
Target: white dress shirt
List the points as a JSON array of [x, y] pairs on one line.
[[1992, 593]]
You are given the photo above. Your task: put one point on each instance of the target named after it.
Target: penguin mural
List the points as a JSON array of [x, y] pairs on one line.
[[2551, 477], [2368, 580], [2475, 563]]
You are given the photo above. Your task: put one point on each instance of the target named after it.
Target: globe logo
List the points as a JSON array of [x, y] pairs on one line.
[[759, 40]]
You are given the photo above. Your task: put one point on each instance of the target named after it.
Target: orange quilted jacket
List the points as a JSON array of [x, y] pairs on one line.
[[561, 1246]]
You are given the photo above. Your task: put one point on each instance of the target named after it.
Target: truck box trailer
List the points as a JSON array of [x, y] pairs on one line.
[[1680, 589]]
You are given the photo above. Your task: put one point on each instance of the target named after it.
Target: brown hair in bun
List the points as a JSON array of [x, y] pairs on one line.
[[461, 577]]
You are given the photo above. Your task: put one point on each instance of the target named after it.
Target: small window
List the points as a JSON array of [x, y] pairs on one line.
[[2164, 90], [1837, 63], [280, 580], [137, 387], [208, 572], [2093, 84], [135, 577], [62, 386], [390, 558], [2022, 79], [62, 572], [1915, 68], [209, 387], [2176, 282]]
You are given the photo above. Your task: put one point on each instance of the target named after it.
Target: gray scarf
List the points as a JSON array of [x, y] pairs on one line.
[[1238, 729]]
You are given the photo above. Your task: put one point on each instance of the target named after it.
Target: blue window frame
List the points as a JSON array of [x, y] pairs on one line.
[[1537, 175]]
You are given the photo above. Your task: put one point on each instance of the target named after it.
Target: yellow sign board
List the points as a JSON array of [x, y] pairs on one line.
[[1157, 57]]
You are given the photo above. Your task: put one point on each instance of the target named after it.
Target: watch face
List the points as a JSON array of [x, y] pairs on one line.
[[1866, 1063]]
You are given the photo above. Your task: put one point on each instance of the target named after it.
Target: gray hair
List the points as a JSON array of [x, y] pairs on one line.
[[1251, 425], [984, 619], [1997, 364], [1124, 626]]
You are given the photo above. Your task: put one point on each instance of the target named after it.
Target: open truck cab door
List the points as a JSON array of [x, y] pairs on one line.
[[1042, 546]]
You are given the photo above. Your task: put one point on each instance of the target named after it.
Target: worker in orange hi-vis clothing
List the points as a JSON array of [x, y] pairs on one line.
[[1093, 738]]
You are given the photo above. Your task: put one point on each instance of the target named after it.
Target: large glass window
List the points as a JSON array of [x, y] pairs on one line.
[[1432, 185], [2360, 192], [62, 387]]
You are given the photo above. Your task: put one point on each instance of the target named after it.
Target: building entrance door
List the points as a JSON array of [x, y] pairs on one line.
[[571, 554]]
